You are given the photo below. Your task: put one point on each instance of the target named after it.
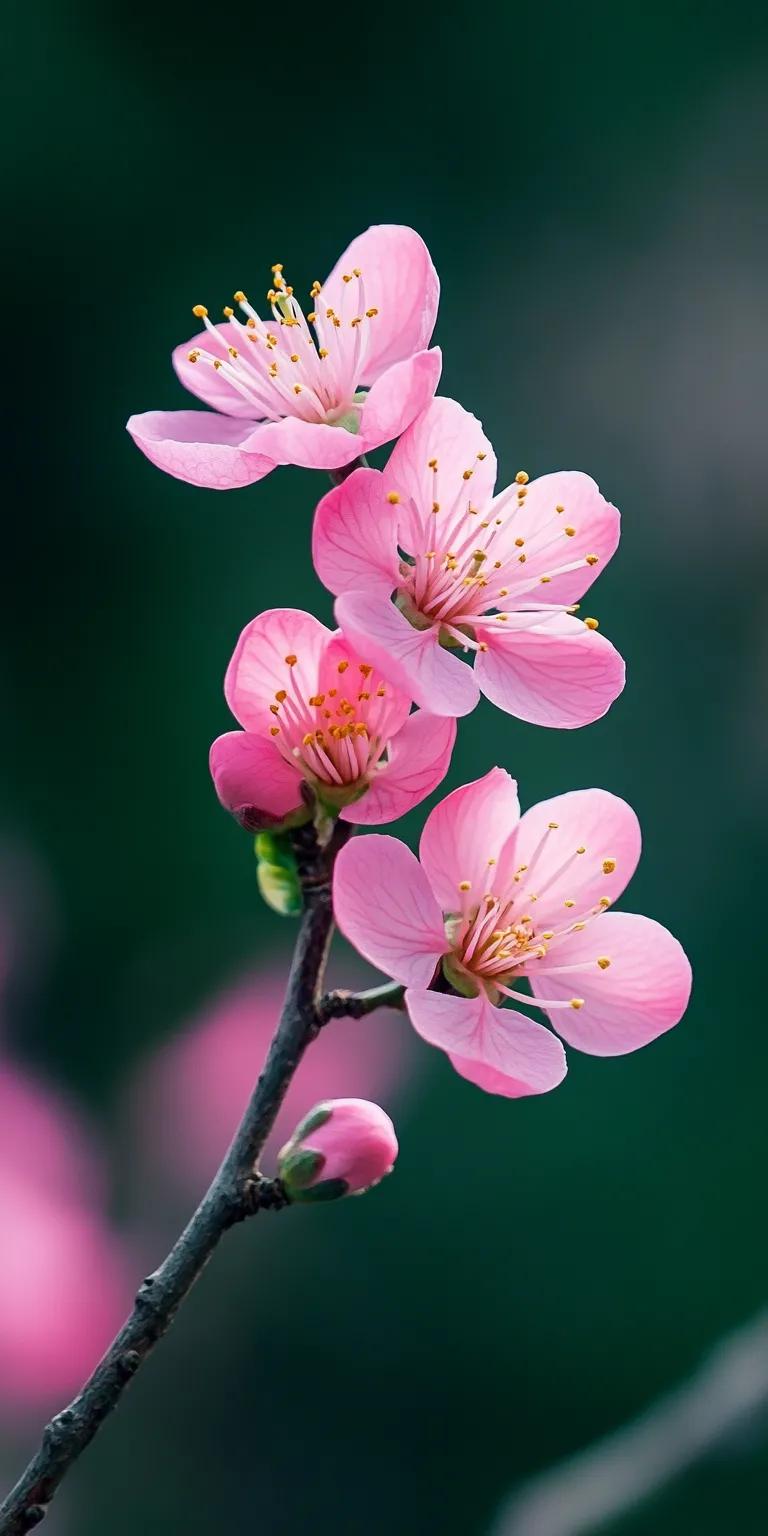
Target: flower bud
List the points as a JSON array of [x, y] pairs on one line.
[[276, 873], [342, 1147]]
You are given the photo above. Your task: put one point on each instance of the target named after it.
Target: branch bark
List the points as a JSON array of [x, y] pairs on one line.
[[355, 1005], [237, 1191]]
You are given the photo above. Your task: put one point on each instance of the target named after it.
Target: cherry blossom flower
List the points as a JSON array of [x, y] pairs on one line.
[[342, 1147], [497, 575], [283, 395], [317, 714], [497, 898]]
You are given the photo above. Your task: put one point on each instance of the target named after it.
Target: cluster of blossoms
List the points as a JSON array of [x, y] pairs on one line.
[[431, 567]]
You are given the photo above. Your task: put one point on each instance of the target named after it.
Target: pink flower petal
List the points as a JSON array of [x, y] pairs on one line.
[[384, 906], [559, 884], [253, 780], [201, 448], [464, 832], [454, 437], [413, 658], [497, 1048], [641, 994], [536, 520], [258, 668], [400, 282], [209, 383], [397, 397], [559, 674], [419, 758], [354, 537], [310, 444]]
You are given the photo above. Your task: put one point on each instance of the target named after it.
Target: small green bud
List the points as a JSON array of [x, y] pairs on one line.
[[279, 888]]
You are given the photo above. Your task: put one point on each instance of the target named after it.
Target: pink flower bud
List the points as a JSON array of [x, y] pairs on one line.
[[342, 1147]]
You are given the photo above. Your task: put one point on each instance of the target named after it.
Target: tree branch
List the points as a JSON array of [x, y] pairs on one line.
[[338, 476], [355, 1005], [237, 1191]]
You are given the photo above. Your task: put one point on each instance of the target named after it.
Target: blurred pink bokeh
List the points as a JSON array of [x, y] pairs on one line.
[[189, 1095], [65, 1281]]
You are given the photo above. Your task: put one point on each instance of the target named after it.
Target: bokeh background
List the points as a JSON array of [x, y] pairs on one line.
[[590, 180]]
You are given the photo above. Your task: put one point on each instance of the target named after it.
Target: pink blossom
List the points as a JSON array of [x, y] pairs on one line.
[[283, 396], [64, 1282], [496, 575], [189, 1095], [342, 1147], [497, 898], [315, 714]]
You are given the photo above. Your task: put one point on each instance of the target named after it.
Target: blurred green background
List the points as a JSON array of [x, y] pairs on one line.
[[590, 181]]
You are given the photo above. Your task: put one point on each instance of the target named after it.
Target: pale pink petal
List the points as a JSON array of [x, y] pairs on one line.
[[201, 447], [464, 836], [310, 444], [497, 1048], [559, 674], [209, 383], [414, 658], [253, 780], [384, 906], [642, 993], [354, 537], [397, 397], [399, 281], [595, 523], [454, 437], [419, 758], [560, 885], [258, 669]]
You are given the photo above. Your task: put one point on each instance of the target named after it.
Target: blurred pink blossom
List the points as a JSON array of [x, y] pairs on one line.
[[190, 1094], [64, 1280]]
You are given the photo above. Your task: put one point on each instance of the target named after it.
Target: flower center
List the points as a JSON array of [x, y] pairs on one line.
[[337, 738], [296, 364], [472, 568]]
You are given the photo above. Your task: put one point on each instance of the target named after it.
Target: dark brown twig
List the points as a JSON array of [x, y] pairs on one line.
[[237, 1191], [355, 1005]]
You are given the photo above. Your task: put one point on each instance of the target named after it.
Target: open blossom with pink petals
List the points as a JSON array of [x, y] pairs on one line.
[[317, 714], [283, 395], [498, 898], [425, 559]]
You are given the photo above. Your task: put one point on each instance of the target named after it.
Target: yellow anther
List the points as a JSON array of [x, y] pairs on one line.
[[483, 645], [217, 363], [609, 866], [308, 740], [274, 730], [569, 531], [365, 668], [323, 352], [521, 559], [549, 934], [281, 695], [544, 580], [432, 464], [381, 693], [233, 352], [332, 692], [291, 660], [578, 927], [467, 475], [239, 297], [294, 357], [297, 389], [582, 849], [358, 320], [603, 962], [553, 825], [342, 667], [361, 729], [521, 495], [519, 543], [314, 290], [363, 694], [479, 555], [491, 862], [251, 324], [200, 311], [465, 885], [569, 903], [482, 456], [521, 477], [228, 312], [276, 267], [577, 1002], [346, 277], [312, 316], [192, 357], [503, 591], [592, 559], [274, 709], [357, 272], [591, 624], [435, 506], [502, 617], [393, 498], [371, 312], [316, 700], [558, 508]]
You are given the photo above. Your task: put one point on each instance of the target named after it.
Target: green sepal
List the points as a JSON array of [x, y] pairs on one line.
[[280, 888], [311, 1122], [350, 421], [275, 848], [298, 1166], [329, 1189], [459, 979]]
